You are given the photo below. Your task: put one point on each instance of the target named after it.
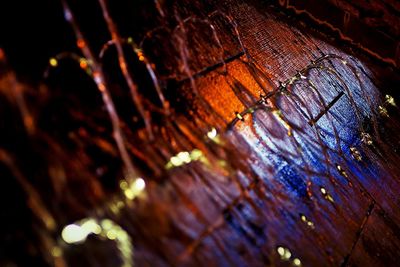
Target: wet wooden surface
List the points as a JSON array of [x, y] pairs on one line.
[[357, 228], [290, 183]]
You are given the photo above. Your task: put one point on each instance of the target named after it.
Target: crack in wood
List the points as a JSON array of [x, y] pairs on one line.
[[211, 68], [326, 109], [359, 233]]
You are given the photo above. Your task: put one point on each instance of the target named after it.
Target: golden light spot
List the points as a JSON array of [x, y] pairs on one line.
[[91, 226], [77, 232], [341, 171], [239, 116], [296, 262], [120, 204], [326, 195], [56, 251], [123, 185], [196, 154], [284, 253], [83, 63], [281, 251], [307, 221], [129, 194], [111, 235], [176, 161], [74, 234], [133, 189], [130, 40], [355, 154], [390, 100], [106, 224], [287, 254], [140, 55], [366, 138], [383, 111], [53, 62], [184, 157]]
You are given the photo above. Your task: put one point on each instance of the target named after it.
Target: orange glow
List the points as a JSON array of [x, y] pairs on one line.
[[140, 56], [83, 63], [122, 65], [81, 43], [102, 87], [217, 92]]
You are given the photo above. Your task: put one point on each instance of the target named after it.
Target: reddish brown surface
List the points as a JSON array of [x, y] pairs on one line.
[[343, 230], [374, 25], [259, 180]]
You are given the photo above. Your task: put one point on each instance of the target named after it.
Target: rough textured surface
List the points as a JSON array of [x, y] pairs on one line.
[[371, 25], [281, 49], [307, 177]]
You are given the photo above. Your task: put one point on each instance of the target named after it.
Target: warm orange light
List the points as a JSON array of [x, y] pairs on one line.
[[81, 43], [101, 87], [140, 56], [83, 63]]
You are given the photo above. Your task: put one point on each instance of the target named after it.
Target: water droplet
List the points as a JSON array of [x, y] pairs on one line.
[[308, 222], [366, 138], [239, 116], [355, 154], [281, 251], [74, 233], [326, 195], [341, 171], [284, 253], [296, 262], [184, 157], [53, 62], [383, 111], [212, 133], [390, 100], [287, 254], [176, 161]]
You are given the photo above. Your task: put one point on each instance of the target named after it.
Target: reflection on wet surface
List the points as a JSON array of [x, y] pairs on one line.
[[259, 160]]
